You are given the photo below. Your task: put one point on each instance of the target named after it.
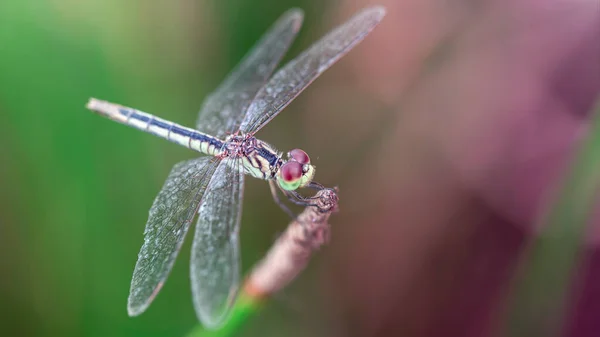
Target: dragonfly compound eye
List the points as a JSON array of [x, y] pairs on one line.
[[299, 156], [291, 171]]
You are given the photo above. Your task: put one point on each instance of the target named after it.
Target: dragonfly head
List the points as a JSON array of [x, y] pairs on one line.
[[296, 171]]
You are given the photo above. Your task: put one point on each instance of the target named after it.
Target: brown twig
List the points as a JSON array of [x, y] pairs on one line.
[[290, 254]]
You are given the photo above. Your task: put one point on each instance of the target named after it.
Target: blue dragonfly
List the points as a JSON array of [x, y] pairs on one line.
[[212, 185]]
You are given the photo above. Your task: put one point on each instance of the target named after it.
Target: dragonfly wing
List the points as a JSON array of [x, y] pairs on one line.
[[215, 266], [168, 222], [223, 111], [295, 76]]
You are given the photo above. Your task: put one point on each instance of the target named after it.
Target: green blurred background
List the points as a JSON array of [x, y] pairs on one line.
[[443, 129]]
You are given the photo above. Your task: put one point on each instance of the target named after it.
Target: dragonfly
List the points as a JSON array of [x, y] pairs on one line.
[[212, 185]]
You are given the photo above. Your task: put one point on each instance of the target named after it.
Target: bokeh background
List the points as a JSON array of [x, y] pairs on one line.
[[446, 131]]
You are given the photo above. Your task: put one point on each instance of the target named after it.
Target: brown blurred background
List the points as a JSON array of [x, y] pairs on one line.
[[445, 130]]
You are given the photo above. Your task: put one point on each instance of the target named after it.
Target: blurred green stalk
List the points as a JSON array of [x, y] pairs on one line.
[[245, 307], [545, 292]]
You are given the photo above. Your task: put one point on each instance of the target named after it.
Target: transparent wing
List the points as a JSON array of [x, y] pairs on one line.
[[223, 111], [215, 267], [292, 79], [168, 222]]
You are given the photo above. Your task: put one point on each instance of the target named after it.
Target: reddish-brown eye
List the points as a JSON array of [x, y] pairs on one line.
[[299, 156], [291, 171]]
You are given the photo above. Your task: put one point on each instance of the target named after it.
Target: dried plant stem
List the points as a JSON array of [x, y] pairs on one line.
[[287, 258], [293, 249]]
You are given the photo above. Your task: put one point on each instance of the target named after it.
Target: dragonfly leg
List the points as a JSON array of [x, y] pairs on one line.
[[315, 186], [298, 199], [278, 201]]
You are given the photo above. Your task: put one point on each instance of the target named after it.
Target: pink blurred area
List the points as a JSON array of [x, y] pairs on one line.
[[463, 115]]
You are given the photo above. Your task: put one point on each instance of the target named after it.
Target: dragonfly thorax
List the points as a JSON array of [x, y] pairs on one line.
[[258, 158]]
